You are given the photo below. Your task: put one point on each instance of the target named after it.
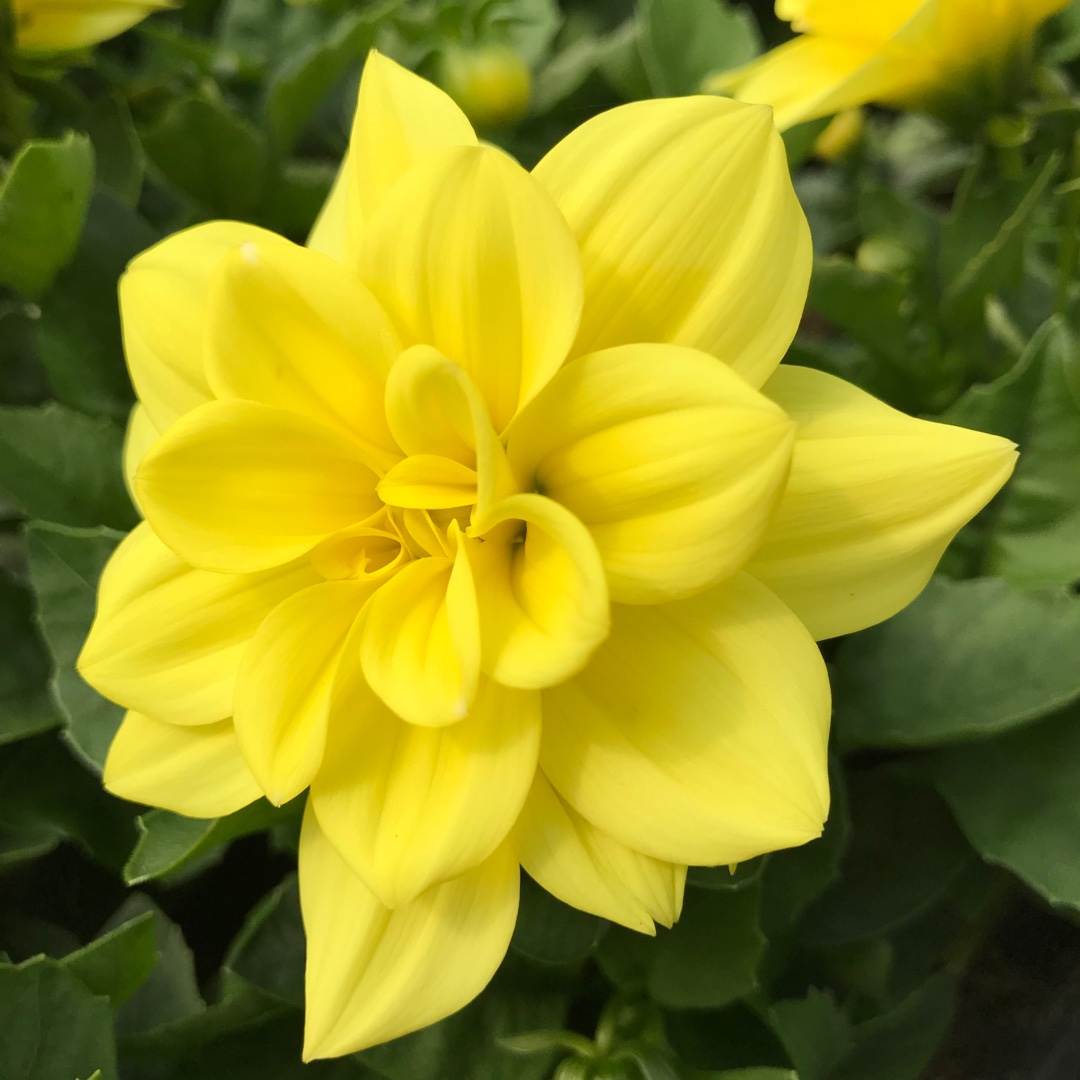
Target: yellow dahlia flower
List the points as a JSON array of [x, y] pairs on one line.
[[56, 25], [922, 53], [490, 519]]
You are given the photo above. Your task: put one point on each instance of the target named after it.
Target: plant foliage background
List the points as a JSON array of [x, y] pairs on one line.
[[148, 946]]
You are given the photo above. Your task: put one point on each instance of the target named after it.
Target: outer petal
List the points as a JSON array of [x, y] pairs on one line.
[[541, 591], [168, 638], [198, 772], [139, 437], [420, 645], [236, 486], [873, 501], [163, 297], [410, 806], [290, 328], [673, 462], [698, 732], [471, 256], [590, 870], [283, 688], [401, 119], [330, 234], [689, 229], [374, 974], [44, 26]]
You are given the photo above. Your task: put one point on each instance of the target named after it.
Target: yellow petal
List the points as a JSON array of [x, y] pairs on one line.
[[428, 482], [330, 234], [420, 646], [433, 408], [49, 26], [590, 870], [372, 551], [541, 592], [290, 328], [873, 501], [410, 806], [673, 462], [374, 973], [167, 639], [237, 486], [283, 689], [689, 230], [139, 437], [195, 771], [401, 119], [698, 732], [163, 298], [471, 256]]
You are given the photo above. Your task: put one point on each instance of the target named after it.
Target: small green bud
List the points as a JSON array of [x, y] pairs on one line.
[[491, 83]]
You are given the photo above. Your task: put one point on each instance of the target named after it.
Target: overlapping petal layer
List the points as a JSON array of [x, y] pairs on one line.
[[873, 500]]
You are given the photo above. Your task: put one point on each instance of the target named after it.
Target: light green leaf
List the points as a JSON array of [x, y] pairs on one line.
[[816, 1033], [117, 150], [43, 201], [966, 659], [65, 565]]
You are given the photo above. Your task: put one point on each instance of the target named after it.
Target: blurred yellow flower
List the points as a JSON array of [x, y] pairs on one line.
[[491, 519], [491, 83], [56, 25], [906, 53]]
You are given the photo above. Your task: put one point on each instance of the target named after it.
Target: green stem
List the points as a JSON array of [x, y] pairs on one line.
[[1069, 255]]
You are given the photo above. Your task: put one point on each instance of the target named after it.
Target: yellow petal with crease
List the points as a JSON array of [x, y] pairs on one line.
[[283, 689], [198, 772], [541, 591], [470, 255], [698, 732], [873, 501], [592, 871], [163, 298], [400, 120], [237, 486], [673, 462], [428, 482], [167, 639], [290, 328], [689, 229], [420, 646], [330, 234], [412, 806], [141, 434], [374, 973]]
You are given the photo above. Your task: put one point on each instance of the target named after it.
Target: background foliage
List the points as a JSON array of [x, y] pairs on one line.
[[148, 946]]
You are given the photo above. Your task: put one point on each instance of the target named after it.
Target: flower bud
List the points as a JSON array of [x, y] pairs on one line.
[[491, 83]]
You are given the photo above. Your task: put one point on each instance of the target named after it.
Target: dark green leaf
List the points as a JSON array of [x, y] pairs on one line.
[[26, 707], [683, 41], [1017, 798], [212, 155], [117, 150], [51, 1026], [549, 930], [709, 958], [43, 202], [815, 1032], [732, 1038], [270, 948], [64, 467], [118, 962], [727, 879], [967, 658], [79, 332], [65, 565]]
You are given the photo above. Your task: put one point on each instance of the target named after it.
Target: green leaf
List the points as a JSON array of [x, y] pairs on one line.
[[710, 957], [966, 659], [550, 931], [211, 154], [905, 852], [683, 41], [1017, 798], [727, 879], [470, 1039], [51, 1026], [117, 150], [79, 331], [754, 1074], [65, 565], [269, 951], [900, 1044], [118, 962], [26, 707], [301, 83], [43, 201], [800, 140], [816, 1033], [64, 467], [735, 1037], [168, 842]]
